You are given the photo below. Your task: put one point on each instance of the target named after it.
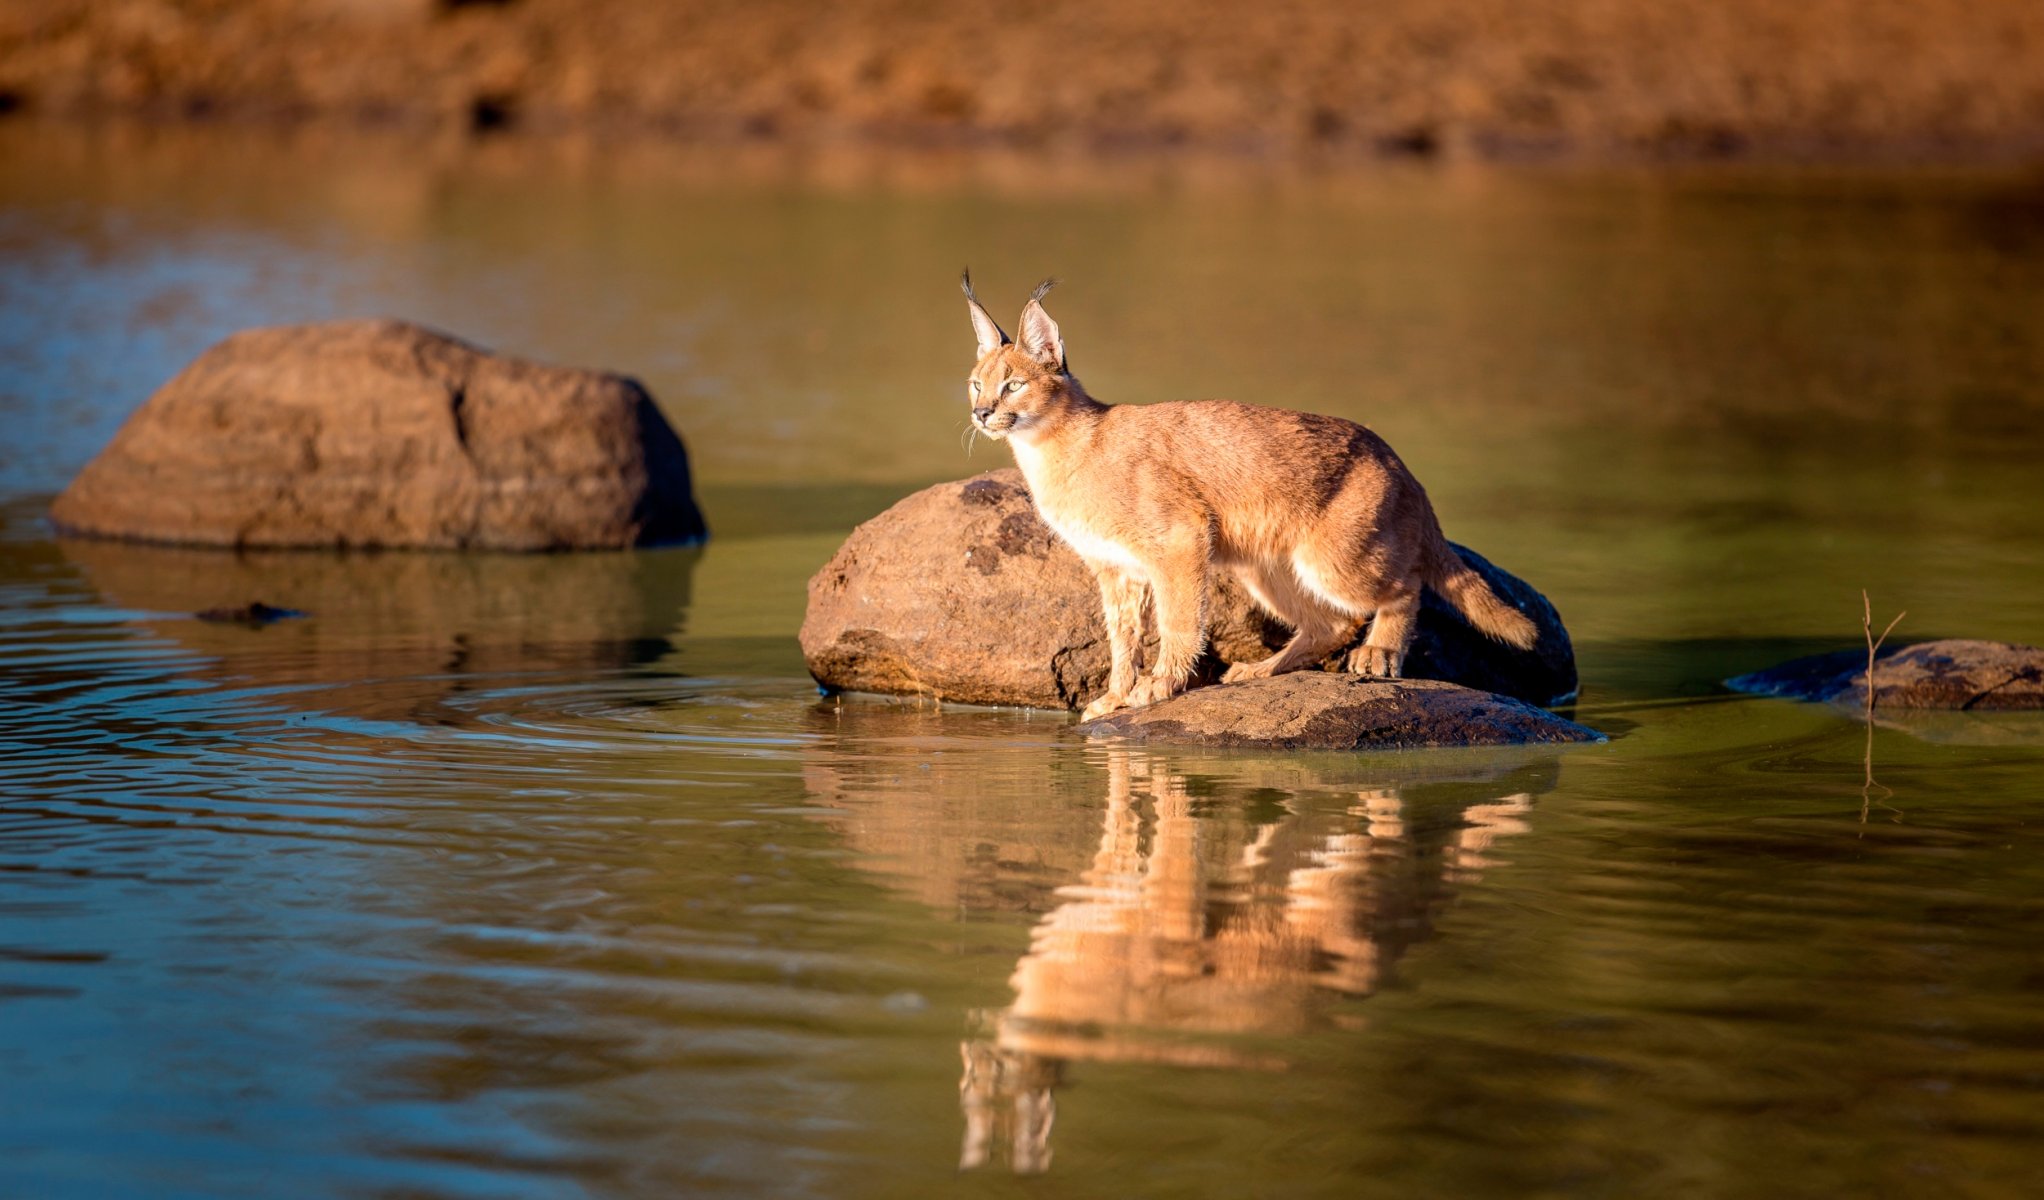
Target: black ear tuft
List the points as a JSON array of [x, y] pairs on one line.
[[984, 328], [1042, 290]]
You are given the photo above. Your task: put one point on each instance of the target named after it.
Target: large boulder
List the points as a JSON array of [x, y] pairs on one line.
[[386, 434], [961, 591], [1321, 710], [1954, 673]]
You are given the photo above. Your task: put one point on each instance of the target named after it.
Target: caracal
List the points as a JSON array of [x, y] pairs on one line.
[[1322, 523]]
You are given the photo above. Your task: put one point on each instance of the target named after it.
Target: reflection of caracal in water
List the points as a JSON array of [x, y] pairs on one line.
[[1317, 516], [1190, 924]]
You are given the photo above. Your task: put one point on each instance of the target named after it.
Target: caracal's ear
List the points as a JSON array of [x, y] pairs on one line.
[[983, 327], [1040, 337]]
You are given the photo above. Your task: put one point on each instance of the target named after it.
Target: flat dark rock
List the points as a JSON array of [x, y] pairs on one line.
[[385, 434], [962, 592], [1955, 673], [256, 613], [1323, 710]]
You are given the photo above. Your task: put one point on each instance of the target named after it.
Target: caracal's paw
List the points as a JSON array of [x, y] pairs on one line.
[[1377, 662], [1151, 688], [1107, 703], [1249, 670]]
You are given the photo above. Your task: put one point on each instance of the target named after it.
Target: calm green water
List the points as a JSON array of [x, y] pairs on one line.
[[509, 877]]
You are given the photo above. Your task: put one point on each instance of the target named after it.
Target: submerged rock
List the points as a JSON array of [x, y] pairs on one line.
[[1321, 710], [386, 434], [961, 591], [1953, 673]]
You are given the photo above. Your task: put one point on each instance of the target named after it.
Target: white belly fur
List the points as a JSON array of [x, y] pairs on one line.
[[1090, 546]]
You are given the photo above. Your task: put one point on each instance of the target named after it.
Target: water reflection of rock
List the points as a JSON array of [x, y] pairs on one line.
[[1965, 728], [1204, 912], [394, 634]]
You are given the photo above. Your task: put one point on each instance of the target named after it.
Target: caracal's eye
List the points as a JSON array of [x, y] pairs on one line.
[[1012, 386], [975, 387]]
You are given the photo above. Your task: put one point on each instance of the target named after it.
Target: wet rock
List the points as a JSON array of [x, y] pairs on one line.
[[385, 434], [1320, 710], [961, 591], [1953, 673]]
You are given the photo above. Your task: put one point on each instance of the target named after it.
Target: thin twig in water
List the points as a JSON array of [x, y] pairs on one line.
[[1873, 643], [1866, 791]]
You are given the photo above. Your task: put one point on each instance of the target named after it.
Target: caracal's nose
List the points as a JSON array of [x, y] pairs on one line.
[[981, 413]]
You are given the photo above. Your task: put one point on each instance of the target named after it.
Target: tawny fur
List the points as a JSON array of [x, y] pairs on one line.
[[1315, 515]]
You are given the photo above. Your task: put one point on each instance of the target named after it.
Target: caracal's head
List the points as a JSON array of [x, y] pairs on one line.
[[1018, 389]]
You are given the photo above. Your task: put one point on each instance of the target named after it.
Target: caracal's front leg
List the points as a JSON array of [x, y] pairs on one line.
[[1121, 604], [1179, 580]]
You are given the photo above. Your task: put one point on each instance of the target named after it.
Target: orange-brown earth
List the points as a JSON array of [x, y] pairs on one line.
[[1607, 79]]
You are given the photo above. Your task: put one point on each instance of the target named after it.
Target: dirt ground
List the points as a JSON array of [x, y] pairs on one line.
[[1585, 79]]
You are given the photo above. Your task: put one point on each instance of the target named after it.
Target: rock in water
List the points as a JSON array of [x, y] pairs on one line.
[[1321, 710], [1955, 673], [386, 434], [958, 591], [253, 613], [1444, 646], [961, 591]]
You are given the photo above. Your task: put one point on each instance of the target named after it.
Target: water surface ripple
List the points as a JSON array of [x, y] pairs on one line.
[[553, 876]]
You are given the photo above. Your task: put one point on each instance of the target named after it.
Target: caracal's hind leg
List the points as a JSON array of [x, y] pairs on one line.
[[1373, 573], [1382, 653], [1365, 556], [1317, 629], [1122, 596]]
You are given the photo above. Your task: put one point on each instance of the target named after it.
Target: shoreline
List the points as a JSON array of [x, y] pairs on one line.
[[1584, 82], [1810, 152]]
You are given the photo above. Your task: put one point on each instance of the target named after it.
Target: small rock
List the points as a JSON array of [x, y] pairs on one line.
[[255, 613], [1320, 710], [961, 591], [386, 434], [1953, 673]]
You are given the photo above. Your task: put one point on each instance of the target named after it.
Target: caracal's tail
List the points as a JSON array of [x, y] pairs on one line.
[[1447, 574]]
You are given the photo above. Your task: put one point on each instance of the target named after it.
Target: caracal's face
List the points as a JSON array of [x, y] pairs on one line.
[[1011, 394]]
